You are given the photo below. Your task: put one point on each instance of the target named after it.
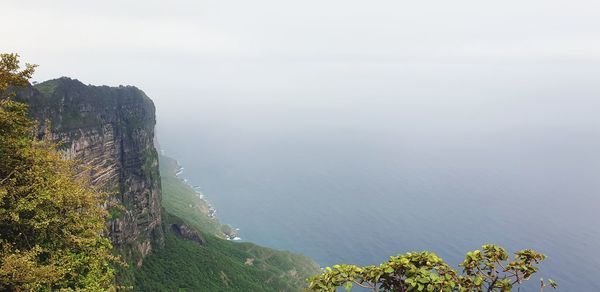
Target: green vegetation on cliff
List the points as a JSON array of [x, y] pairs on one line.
[[182, 201], [218, 264], [111, 130]]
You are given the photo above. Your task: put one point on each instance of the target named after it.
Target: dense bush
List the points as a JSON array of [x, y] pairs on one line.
[[488, 269]]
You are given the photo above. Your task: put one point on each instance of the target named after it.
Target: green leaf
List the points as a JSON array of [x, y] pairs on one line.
[[389, 270], [348, 286]]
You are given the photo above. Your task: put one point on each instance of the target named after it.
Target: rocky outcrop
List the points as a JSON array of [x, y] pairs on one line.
[[111, 130], [186, 232]]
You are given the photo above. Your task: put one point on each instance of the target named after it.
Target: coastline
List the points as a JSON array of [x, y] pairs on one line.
[[227, 231]]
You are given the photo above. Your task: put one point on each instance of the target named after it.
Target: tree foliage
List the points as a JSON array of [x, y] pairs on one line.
[[488, 269], [52, 223], [11, 74]]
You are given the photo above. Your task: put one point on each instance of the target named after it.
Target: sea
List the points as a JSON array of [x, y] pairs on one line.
[[355, 163]]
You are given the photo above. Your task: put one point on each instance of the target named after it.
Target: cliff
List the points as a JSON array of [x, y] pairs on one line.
[[111, 130]]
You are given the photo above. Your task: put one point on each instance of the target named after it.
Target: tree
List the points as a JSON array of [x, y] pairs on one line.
[[52, 224], [483, 270], [10, 73]]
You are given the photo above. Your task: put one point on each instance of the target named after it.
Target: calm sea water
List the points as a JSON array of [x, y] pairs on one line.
[[353, 170]]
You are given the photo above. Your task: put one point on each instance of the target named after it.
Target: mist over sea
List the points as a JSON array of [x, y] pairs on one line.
[[354, 163]]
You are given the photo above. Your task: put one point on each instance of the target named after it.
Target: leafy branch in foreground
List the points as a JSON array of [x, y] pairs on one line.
[[488, 269], [11, 74]]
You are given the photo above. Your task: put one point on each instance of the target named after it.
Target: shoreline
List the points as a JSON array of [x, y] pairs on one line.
[[232, 233]]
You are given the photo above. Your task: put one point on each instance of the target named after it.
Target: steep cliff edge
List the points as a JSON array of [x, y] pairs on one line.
[[110, 129]]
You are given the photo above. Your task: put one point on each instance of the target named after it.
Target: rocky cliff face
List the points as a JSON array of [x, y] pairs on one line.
[[111, 130]]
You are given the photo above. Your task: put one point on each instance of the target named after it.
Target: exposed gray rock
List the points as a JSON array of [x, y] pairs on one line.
[[187, 232]]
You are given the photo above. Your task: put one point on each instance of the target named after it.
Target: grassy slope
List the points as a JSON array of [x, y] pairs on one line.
[[181, 200], [219, 265]]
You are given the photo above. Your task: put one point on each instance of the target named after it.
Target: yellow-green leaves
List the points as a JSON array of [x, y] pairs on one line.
[[51, 219], [10, 73]]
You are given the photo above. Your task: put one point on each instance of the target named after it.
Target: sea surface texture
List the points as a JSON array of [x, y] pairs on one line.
[[356, 166]]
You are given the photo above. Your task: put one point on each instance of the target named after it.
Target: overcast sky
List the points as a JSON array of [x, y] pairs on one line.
[[72, 37], [195, 50]]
